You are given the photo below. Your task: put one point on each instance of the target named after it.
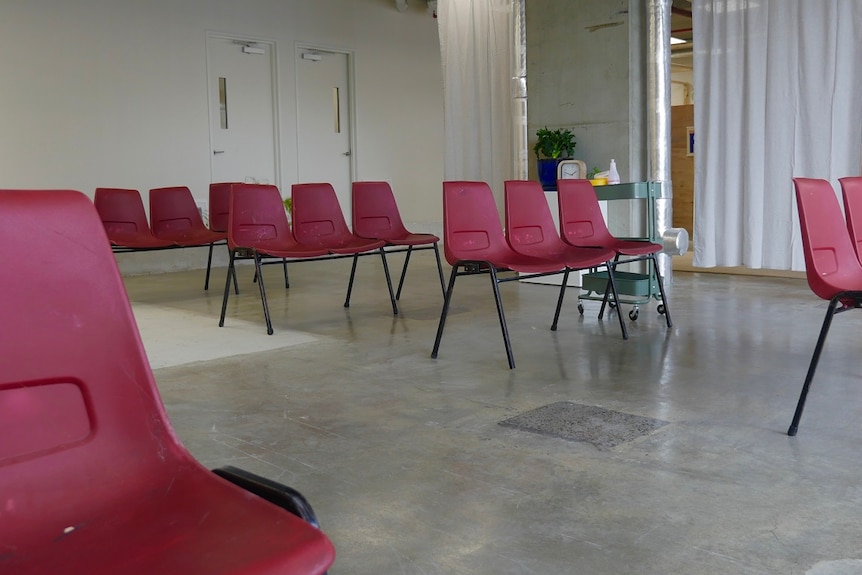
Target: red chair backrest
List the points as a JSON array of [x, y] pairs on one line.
[[471, 223], [219, 205], [831, 265], [530, 226], [317, 216], [121, 211], [81, 422], [375, 212], [851, 189], [581, 220], [173, 209], [257, 217]]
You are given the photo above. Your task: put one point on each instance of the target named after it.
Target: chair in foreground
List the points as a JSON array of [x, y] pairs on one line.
[[125, 221], [376, 216], [582, 225], [530, 231], [831, 265], [258, 229], [474, 243], [319, 221], [93, 477], [174, 216]]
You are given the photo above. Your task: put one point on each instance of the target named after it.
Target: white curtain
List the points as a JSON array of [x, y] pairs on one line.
[[778, 94], [476, 46]]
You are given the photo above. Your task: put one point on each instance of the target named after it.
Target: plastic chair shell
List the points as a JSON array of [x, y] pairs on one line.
[[376, 216], [124, 219], [319, 221], [851, 190], [219, 205], [93, 477], [582, 223], [530, 228], [174, 216], [257, 220], [831, 263]]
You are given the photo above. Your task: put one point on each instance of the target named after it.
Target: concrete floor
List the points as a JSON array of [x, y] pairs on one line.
[[409, 471]]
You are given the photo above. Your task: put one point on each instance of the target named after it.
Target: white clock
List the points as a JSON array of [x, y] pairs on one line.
[[571, 169]]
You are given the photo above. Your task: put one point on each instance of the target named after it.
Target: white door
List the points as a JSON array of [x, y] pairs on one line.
[[323, 121], [242, 113]]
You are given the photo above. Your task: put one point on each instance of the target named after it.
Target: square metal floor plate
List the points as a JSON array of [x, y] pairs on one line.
[[587, 423]]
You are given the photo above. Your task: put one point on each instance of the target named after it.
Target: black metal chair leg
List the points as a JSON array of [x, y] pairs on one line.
[[350, 283], [812, 367], [235, 284], [661, 290], [560, 299], [403, 272], [447, 297], [495, 284], [231, 271], [392, 297], [440, 270], [286, 280], [262, 293], [613, 284], [209, 266], [607, 290]]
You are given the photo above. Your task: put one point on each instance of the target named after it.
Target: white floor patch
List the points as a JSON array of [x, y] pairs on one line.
[[175, 337], [840, 567]]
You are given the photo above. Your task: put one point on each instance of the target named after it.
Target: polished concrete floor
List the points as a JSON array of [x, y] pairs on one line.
[[410, 472]]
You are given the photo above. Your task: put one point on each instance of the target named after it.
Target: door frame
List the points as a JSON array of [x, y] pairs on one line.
[[273, 71], [299, 48]]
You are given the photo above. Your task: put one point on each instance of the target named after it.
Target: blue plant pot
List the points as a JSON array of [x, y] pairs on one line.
[[547, 169]]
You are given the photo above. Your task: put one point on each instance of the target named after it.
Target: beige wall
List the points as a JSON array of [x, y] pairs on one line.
[[107, 93]]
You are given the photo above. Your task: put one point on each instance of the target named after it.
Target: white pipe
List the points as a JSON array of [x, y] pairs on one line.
[[675, 240]]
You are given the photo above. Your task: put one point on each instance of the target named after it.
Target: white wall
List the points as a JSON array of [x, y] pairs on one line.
[[106, 93]]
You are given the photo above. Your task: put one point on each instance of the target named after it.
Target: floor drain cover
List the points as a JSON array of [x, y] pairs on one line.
[[601, 427]]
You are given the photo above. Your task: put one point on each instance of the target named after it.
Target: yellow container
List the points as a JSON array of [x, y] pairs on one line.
[[599, 181]]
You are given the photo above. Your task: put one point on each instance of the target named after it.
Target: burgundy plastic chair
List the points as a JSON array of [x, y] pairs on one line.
[[174, 216], [93, 477], [219, 207], [831, 265], [582, 225], [376, 216], [319, 221], [258, 229], [125, 221], [219, 199], [530, 231], [474, 243], [851, 190]]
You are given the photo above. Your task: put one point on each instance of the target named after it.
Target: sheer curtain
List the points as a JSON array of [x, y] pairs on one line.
[[778, 86], [476, 46]]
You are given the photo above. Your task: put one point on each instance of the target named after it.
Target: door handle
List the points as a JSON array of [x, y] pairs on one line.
[[215, 152], [346, 153]]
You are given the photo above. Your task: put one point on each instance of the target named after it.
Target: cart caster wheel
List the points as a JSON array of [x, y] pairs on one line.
[[580, 308], [660, 309], [612, 305], [633, 315]]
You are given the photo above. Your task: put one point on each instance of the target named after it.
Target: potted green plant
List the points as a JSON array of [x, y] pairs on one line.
[[552, 146]]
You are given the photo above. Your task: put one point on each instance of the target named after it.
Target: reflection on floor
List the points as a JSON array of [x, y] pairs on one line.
[[409, 470]]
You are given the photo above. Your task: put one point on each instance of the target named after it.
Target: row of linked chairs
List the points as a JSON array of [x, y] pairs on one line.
[[250, 219], [476, 243], [258, 229], [832, 244], [93, 477]]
